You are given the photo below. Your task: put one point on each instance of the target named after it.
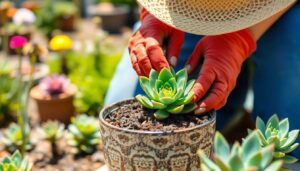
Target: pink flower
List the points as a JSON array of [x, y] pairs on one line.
[[54, 84], [17, 42]]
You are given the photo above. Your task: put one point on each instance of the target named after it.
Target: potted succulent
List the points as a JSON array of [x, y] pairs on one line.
[[54, 98], [157, 131], [66, 15], [15, 162], [113, 17]]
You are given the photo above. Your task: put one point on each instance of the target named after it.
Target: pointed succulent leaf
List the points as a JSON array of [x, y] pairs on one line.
[[235, 149], [250, 145], [236, 163], [181, 78], [145, 84], [255, 160], [209, 165], [17, 158], [262, 138], [221, 147], [189, 108], [189, 87], [284, 127], [161, 114], [175, 109], [172, 82], [221, 163], [167, 100], [278, 155], [158, 105], [290, 148], [275, 166], [268, 133], [273, 122], [260, 124], [274, 140], [145, 101], [289, 159], [164, 75], [185, 100], [153, 77], [179, 93], [267, 155], [292, 136]]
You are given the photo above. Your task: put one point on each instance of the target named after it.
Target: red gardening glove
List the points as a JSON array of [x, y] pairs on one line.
[[223, 56], [145, 46]]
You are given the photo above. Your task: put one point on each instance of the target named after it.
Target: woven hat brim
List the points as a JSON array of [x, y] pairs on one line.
[[174, 14]]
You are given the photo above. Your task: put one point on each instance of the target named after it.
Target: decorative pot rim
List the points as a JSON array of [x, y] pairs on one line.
[[212, 118]]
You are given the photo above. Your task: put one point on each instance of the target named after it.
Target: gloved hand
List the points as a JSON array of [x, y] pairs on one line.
[[145, 46], [223, 56]]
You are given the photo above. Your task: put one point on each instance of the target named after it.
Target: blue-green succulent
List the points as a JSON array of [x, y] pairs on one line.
[[167, 92]]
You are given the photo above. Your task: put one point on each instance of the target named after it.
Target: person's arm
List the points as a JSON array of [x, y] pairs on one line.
[[259, 29]]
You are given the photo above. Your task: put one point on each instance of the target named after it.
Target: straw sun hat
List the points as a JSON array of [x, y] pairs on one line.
[[209, 17]]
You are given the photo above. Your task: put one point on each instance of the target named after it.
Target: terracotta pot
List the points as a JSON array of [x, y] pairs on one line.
[[60, 108], [112, 21], [127, 150], [67, 23]]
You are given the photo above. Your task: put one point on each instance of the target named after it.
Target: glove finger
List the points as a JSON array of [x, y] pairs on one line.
[[142, 59], [156, 55], [203, 83], [214, 99], [135, 64], [174, 47], [195, 57]]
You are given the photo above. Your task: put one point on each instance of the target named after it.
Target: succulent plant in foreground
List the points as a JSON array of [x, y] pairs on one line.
[[51, 131], [85, 133], [54, 84], [167, 92], [277, 132], [12, 138], [15, 163], [249, 156]]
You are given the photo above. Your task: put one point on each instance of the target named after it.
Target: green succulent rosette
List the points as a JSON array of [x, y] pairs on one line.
[[167, 92], [277, 132]]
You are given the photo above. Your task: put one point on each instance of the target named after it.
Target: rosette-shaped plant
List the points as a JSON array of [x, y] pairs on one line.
[[13, 140], [85, 133], [51, 131], [167, 92], [249, 156], [15, 163], [54, 84], [277, 132]]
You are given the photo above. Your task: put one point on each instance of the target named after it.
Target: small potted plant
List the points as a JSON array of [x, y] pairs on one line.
[[113, 17], [54, 98], [157, 131], [66, 15], [15, 162]]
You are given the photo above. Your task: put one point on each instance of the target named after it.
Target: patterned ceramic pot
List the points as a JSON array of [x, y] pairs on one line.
[[133, 150]]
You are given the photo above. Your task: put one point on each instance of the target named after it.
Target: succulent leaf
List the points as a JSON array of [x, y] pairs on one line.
[[165, 75], [275, 166], [289, 159], [175, 109], [189, 87], [189, 108], [221, 147], [260, 124], [145, 84], [161, 114], [144, 101], [284, 127]]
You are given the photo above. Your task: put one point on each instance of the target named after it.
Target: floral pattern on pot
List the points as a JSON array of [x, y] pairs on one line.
[[134, 150]]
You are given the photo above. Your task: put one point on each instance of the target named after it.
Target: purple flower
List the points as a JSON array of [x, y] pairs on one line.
[[54, 84], [17, 42]]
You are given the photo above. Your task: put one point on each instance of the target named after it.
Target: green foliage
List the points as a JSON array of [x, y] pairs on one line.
[[85, 133], [91, 73], [15, 163], [248, 156], [13, 140], [51, 131], [8, 93], [51, 11], [167, 92], [277, 132]]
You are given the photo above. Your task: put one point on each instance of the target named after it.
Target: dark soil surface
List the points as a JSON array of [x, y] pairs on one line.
[[134, 116]]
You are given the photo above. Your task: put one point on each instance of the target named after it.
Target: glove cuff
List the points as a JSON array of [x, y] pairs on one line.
[[247, 40], [143, 13]]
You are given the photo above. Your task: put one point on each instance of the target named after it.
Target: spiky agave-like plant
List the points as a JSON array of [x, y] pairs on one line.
[[167, 92], [15, 163], [277, 132], [249, 156]]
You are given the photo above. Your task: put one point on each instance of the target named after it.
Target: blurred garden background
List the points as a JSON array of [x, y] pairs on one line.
[[57, 58]]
